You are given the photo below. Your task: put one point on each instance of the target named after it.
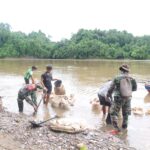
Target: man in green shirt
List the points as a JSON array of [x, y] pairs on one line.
[[29, 75]]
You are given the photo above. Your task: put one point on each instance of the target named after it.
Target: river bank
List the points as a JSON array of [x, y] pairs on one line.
[[16, 133], [69, 59]]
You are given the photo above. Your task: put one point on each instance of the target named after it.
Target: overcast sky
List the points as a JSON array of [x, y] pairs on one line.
[[61, 18]]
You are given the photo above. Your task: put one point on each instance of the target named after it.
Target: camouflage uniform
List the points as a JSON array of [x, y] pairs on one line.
[[24, 94], [120, 102]]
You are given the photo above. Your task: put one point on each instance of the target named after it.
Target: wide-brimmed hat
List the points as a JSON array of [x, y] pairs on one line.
[[124, 67]]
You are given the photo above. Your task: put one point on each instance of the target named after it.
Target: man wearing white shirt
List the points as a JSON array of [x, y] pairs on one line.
[[104, 100]]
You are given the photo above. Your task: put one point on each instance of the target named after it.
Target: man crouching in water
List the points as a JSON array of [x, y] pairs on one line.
[[27, 91], [122, 86], [59, 88]]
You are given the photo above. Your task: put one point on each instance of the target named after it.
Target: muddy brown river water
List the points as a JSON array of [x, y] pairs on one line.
[[83, 79]]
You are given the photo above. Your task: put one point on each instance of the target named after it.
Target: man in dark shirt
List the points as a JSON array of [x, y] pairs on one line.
[[46, 79]]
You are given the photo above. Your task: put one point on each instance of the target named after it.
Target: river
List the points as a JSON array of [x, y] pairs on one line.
[[83, 79]]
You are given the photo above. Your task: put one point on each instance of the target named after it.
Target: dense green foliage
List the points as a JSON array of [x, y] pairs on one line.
[[84, 44]]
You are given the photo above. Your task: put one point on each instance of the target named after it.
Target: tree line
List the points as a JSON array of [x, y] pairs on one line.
[[85, 44]]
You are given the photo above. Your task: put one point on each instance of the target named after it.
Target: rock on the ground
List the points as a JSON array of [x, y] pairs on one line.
[[18, 129]]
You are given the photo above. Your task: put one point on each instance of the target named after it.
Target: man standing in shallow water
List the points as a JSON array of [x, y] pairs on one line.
[[122, 86], [29, 75], [46, 80]]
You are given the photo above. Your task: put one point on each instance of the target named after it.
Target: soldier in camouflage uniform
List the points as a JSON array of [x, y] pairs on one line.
[[28, 93], [120, 101]]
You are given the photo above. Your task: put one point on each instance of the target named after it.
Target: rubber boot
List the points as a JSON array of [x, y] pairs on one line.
[[20, 106], [124, 126], [108, 119], [125, 122], [116, 126]]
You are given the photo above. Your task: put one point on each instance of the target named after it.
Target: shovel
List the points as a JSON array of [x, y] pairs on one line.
[[36, 125], [35, 111]]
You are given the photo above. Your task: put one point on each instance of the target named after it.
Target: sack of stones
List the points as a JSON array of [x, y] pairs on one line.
[[67, 125], [138, 111], [62, 101]]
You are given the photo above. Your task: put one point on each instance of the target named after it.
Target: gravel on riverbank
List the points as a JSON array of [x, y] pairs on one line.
[[16, 133]]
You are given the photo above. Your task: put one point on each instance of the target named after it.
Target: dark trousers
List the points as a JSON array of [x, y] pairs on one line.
[[26, 81], [31, 101], [104, 102]]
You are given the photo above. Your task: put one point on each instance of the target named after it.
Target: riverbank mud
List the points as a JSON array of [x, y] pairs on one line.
[[16, 133]]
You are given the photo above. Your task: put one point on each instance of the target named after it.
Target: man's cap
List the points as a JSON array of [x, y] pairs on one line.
[[124, 67]]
